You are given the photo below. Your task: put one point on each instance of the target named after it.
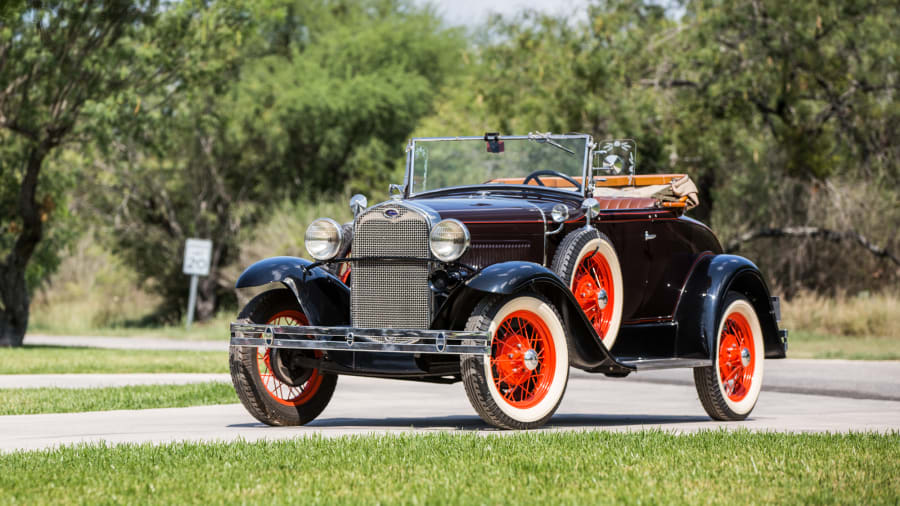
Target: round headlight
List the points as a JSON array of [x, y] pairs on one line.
[[560, 213], [449, 240], [323, 239]]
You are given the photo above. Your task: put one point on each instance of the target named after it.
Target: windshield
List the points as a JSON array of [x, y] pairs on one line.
[[465, 161]]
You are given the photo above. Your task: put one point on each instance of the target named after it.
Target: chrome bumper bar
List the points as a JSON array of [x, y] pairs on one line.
[[450, 342]]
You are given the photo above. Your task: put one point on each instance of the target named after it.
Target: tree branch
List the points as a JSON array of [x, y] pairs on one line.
[[815, 233]]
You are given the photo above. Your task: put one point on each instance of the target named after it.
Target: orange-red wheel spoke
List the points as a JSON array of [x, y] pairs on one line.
[[592, 275], [518, 333], [736, 337], [277, 389]]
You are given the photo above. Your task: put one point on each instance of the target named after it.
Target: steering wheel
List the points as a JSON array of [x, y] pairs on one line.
[[547, 172]]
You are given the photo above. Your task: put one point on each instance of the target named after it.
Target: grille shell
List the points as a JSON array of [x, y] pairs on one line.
[[391, 293]]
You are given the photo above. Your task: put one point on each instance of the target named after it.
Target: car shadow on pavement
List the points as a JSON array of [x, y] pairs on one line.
[[461, 422]]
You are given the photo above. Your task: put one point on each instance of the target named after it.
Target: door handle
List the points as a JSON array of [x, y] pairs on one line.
[[648, 236]]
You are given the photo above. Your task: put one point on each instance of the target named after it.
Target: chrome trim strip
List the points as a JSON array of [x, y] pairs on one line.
[[452, 342]]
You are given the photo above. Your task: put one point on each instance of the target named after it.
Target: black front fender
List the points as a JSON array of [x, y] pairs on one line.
[[701, 304], [586, 350], [323, 297]]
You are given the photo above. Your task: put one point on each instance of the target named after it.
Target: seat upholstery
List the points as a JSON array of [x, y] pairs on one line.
[[616, 203]]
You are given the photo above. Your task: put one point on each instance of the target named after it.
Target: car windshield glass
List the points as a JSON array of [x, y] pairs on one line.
[[443, 163]]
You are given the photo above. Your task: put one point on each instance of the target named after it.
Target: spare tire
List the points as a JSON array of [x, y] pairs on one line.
[[587, 262]]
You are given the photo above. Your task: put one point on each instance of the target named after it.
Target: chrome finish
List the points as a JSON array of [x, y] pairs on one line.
[[467, 239], [602, 298], [745, 357], [643, 364], [544, 221], [340, 234], [451, 342], [395, 294], [396, 190], [560, 213], [531, 360], [358, 204], [555, 230], [648, 236], [591, 209]]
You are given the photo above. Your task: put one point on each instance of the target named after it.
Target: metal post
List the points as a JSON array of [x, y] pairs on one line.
[[192, 301]]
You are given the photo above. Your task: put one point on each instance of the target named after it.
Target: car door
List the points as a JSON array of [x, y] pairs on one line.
[[671, 251]]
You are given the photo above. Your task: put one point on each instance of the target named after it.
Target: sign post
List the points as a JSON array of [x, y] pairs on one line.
[[197, 256]]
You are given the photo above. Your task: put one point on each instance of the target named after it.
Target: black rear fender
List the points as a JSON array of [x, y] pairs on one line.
[[325, 300], [586, 350], [701, 304]]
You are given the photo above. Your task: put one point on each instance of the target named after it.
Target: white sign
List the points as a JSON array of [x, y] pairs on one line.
[[197, 254]]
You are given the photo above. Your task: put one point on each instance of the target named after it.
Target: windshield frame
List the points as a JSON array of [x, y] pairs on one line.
[[585, 163]]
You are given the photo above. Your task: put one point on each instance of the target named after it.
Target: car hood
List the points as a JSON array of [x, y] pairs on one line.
[[483, 210]]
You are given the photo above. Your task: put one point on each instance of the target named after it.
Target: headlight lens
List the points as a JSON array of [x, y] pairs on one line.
[[449, 240], [323, 238]]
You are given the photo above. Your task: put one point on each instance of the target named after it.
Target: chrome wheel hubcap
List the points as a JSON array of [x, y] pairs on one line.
[[602, 298], [745, 357], [531, 360]]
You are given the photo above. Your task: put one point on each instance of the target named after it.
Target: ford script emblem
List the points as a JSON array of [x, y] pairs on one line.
[[391, 213]]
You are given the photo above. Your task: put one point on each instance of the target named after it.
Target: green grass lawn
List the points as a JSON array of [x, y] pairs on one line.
[[32, 401], [526, 468], [213, 330], [816, 345], [65, 360]]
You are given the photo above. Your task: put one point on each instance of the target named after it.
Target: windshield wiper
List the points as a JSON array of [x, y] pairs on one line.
[[545, 137]]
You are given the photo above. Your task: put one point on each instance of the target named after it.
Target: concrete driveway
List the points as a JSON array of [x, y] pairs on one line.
[[802, 396]]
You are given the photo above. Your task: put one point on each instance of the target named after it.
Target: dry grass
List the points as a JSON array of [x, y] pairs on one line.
[[864, 315], [864, 326]]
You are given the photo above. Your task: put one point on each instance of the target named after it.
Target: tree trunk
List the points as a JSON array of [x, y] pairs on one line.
[[206, 297], [14, 299], [13, 306]]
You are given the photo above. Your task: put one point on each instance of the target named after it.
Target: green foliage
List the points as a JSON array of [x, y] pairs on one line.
[[598, 467], [295, 100]]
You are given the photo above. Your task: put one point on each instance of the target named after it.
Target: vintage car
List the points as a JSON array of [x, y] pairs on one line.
[[501, 261]]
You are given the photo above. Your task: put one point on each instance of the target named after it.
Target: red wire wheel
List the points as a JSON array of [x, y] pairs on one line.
[[523, 359], [594, 290], [737, 355], [280, 391]]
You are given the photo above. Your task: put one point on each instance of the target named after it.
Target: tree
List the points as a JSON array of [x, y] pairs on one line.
[[307, 99], [56, 58]]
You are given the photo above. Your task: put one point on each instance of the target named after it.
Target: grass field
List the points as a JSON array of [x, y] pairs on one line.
[[525, 468], [812, 345], [33, 401], [64, 360]]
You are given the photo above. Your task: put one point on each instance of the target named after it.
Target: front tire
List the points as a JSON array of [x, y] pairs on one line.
[[730, 388], [272, 392], [521, 383]]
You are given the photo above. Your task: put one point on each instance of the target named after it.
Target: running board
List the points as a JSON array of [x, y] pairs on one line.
[[648, 364]]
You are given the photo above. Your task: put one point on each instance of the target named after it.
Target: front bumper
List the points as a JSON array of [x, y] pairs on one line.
[[446, 342]]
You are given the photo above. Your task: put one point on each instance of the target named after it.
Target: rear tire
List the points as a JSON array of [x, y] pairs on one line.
[[521, 383], [730, 388], [263, 387]]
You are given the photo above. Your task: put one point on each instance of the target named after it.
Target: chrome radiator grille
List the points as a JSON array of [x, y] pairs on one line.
[[390, 293]]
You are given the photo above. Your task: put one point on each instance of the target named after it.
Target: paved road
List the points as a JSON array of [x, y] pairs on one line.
[[362, 406]]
